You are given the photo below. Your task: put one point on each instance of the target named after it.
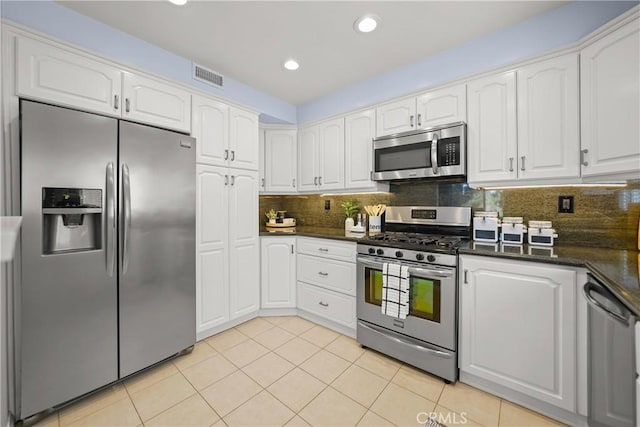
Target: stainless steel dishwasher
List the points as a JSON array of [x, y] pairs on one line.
[[611, 358]]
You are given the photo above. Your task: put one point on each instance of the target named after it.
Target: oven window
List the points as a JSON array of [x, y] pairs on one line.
[[373, 286], [424, 299], [411, 156]]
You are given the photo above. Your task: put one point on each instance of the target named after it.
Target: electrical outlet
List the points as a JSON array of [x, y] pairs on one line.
[[327, 205], [565, 204]]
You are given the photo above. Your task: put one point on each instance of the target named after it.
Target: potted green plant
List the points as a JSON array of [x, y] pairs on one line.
[[272, 215], [350, 208]]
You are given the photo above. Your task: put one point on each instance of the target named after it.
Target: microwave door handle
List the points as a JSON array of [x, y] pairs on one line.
[[434, 154]]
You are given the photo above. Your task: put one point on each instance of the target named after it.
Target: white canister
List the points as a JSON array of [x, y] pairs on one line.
[[348, 224], [375, 224]]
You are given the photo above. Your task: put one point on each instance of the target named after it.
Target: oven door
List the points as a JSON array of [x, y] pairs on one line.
[[432, 301]]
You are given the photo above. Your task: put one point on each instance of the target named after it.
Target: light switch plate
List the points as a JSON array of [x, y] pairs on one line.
[[565, 204]]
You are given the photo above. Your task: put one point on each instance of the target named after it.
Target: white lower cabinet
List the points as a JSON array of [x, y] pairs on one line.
[[326, 275], [278, 271], [333, 306], [518, 327], [228, 252]]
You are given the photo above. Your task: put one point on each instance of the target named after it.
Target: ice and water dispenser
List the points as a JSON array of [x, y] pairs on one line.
[[71, 220]]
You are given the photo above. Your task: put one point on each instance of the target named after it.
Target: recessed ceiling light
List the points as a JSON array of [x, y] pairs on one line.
[[291, 64], [178, 2], [366, 23]]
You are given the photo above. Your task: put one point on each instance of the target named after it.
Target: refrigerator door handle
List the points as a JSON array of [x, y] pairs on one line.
[[111, 220], [126, 217]]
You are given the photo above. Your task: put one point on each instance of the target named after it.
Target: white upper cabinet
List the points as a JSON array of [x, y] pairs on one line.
[[358, 149], [226, 136], [243, 139], [610, 100], [395, 117], [442, 106], [211, 130], [280, 161], [63, 77], [152, 101], [47, 73], [491, 128], [549, 119], [321, 156], [308, 167], [433, 108], [331, 155]]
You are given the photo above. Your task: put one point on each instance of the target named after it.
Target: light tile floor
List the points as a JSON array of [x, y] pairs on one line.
[[276, 371]]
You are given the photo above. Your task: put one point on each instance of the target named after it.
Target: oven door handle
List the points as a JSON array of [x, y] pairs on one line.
[[405, 342], [369, 263], [423, 272]]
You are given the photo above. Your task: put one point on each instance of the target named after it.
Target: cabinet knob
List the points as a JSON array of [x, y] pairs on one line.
[[226, 154], [319, 180], [262, 182], [116, 102], [126, 105], [315, 180], [411, 120], [419, 120], [293, 183], [324, 304], [233, 155], [522, 163], [510, 164]]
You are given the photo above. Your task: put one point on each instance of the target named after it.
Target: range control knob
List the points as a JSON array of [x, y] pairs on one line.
[[419, 257], [398, 254], [380, 252], [372, 251], [431, 258]]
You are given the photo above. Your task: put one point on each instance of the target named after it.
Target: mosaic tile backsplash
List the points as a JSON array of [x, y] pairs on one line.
[[603, 216]]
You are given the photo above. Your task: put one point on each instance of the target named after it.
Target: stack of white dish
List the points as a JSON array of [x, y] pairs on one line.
[[541, 233], [513, 230], [486, 226]]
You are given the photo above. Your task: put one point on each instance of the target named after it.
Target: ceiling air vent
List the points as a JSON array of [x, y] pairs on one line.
[[207, 76]]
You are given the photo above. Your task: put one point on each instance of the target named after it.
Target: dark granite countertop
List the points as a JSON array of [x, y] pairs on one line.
[[618, 269], [307, 231]]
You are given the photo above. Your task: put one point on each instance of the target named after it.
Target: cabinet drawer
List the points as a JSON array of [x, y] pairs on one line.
[[344, 251], [336, 307], [335, 275]]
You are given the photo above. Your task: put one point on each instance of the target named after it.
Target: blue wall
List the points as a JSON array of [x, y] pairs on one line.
[[544, 32], [65, 24], [548, 31]]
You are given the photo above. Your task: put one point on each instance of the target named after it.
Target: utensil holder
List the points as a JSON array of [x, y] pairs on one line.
[[375, 225]]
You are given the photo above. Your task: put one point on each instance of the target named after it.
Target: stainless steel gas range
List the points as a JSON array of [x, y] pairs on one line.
[[425, 240]]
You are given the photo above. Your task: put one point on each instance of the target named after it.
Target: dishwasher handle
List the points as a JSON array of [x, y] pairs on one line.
[[591, 288]]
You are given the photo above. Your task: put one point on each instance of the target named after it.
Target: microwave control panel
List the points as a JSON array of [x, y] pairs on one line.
[[449, 152]]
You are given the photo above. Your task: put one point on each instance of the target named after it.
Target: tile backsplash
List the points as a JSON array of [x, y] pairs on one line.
[[603, 216]]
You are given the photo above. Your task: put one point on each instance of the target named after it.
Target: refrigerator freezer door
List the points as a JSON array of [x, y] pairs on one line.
[[66, 304], [157, 245]]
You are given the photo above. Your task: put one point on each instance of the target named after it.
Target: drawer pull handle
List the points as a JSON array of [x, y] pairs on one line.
[[323, 249], [322, 273], [324, 304]]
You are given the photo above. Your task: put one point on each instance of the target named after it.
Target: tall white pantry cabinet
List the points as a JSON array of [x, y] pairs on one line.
[[228, 246]]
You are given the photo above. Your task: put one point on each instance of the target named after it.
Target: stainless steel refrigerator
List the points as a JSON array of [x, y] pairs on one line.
[[108, 252]]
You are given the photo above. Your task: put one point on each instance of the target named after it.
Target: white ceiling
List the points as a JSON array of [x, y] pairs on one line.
[[249, 40]]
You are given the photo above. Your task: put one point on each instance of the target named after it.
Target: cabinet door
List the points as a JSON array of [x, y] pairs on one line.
[[211, 130], [280, 161], [152, 101], [358, 149], [308, 159], [261, 160], [47, 73], [610, 101], [548, 119], [331, 155], [243, 140], [278, 272], [442, 106], [518, 327], [491, 129], [212, 241], [394, 117], [244, 245]]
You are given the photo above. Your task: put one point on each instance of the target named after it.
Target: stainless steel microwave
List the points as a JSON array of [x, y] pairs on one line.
[[436, 152]]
